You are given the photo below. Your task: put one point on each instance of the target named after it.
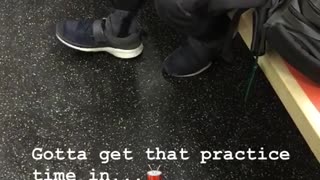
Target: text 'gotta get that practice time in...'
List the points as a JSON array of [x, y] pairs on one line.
[[156, 154]]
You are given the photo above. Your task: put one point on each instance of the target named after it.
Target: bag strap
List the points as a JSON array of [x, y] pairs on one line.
[[258, 46], [226, 54]]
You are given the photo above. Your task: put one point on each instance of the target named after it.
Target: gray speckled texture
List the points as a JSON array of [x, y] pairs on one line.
[[55, 97]]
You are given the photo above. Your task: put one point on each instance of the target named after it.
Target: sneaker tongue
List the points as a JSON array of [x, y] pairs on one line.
[[108, 28], [121, 23]]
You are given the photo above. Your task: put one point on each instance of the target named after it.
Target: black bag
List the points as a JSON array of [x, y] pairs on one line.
[[291, 27], [293, 30]]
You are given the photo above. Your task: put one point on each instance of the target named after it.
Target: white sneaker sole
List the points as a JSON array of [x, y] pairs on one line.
[[119, 53], [194, 74]]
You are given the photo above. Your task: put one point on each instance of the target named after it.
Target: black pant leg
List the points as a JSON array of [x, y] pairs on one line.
[[128, 5], [124, 19], [192, 18]]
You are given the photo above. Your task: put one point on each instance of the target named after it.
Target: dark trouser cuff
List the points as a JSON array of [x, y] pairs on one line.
[[128, 5]]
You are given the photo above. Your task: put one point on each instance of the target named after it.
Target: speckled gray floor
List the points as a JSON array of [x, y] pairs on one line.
[[55, 97]]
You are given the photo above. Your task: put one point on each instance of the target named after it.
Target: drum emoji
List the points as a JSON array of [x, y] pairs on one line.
[[154, 175]]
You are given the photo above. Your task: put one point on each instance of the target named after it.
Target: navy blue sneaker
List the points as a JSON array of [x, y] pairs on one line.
[[189, 60], [118, 35]]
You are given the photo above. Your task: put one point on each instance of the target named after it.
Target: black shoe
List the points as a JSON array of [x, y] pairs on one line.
[[189, 60], [101, 36]]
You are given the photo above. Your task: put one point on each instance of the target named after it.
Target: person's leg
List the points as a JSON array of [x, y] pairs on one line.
[[118, 34], [192, 18], [127, 5], [204, 31], [124, 17]]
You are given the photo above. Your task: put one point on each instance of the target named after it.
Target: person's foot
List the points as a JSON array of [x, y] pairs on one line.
[[189, 60], [118, 35]]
